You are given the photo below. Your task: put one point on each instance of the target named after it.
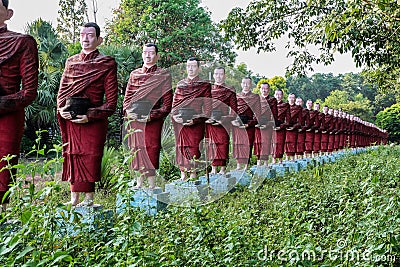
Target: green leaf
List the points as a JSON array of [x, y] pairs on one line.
[[26, 216], [65, 258], [24, 252]]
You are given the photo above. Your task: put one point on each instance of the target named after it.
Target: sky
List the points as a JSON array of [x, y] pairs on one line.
[[265, 64]]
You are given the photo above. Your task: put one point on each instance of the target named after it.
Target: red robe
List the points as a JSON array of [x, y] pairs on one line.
[[195, 94], [356, 141], [325, 133], [263, 137], [144, 139], [92, 76], [310, 132], [301, 136], [224, 98], [18, 64], [352, 134], [343, 133], [332, 132], [319, 127], [248, 104], [282, 122], [295, 124], [338, 128]]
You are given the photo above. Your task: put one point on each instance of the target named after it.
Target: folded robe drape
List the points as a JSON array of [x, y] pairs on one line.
[[195, 94], [248, 104], [224, 100], [264, 137], [92, 76], [310, 132], [144, 139], [18, 64], [282, 122], [295, 123]]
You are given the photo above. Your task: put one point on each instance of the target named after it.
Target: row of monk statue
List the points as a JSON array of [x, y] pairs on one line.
[[198, 108]]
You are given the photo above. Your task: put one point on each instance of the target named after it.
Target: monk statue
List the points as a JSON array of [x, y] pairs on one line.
[[86, 98], [18, 66], [147, 102]]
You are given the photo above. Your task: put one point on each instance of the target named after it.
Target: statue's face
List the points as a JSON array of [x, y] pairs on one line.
[[278, 95], [88, 39], [149, 55], [291, 99], [5, 14], [219, 76], [264, 90], [192, 68], [299, 102], [246, 85]]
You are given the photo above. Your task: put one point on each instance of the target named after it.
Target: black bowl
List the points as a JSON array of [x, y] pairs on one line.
[[262, 121], [242, 119], [141, 107], [216, 114], [186, 114], [77, 105], [5, 103]]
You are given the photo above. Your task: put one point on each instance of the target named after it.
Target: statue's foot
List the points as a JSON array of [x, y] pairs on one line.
[[72, 203], [86, 203], [137, 187]]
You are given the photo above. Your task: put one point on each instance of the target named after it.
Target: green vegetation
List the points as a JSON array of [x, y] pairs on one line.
[[349, 209], [366, 29], [389, 119], [71, 16], [181, 28]]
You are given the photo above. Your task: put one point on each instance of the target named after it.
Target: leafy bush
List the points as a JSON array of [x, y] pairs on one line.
[[389, 119]]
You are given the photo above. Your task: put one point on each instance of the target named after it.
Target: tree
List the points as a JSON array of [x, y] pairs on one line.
[[276, 82], [365, 28], [41, 115], [179, 27], [95, 9], [336, 99], [300, 86], [357, 105], [355, 83], [71, 16], [383, 101], [389, 119], [242, 67], [318, 86]]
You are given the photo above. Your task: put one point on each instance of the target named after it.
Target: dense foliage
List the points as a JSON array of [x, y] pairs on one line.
[[367, 29], [181, 28], [342, 214], [72, 14], [42, 113], [350, 92], [389, 119]]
